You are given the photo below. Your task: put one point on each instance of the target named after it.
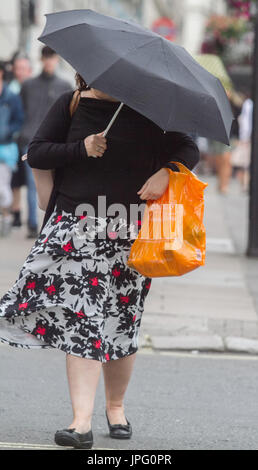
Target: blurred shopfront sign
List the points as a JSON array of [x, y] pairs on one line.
[[165, 27]]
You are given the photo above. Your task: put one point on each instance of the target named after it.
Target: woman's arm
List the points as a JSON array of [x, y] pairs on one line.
[[180, 147], [48, 149], [172, 146]]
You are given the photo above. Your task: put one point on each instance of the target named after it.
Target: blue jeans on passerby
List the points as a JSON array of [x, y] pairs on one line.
[[32, 201]]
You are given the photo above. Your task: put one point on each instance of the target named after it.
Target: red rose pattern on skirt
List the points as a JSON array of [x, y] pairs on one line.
[[76, 294]]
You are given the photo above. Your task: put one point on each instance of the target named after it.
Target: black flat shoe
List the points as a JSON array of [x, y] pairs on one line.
[[16, 219], [70, 437], [119, 431]]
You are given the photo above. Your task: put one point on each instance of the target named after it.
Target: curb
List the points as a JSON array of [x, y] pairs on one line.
[[215, 343]]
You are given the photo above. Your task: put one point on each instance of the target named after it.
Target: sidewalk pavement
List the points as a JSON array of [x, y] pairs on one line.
[[213, 308]]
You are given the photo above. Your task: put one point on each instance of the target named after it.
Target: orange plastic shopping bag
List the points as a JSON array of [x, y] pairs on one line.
[[172, 238]]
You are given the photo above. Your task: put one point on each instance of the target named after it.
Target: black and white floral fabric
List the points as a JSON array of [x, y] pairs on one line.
[[75, 292]]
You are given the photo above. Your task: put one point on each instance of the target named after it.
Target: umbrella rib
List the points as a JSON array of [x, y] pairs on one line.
[[147, 32], [169, 73], [183, 66], [140, 28]]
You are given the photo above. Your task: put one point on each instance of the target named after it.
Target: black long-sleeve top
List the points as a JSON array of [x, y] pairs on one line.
[[136, 148]]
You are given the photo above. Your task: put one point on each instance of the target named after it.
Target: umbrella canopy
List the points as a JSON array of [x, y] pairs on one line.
[[140, 68]]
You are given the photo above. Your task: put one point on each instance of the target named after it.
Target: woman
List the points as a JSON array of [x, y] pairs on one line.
[[75, 291], [241, 155], [222, 159], [222, 153]]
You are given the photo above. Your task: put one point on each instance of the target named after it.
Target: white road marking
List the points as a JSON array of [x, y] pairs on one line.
[[26, 445]]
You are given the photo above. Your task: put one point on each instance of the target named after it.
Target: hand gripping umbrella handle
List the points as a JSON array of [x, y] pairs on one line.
[[111, 122], [24, 157]]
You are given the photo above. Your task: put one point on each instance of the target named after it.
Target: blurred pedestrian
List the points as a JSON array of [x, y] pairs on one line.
[[11, 119], [222, 153], [38, 94], [222, 160], [241, 156], [22, 70], [203, 167]]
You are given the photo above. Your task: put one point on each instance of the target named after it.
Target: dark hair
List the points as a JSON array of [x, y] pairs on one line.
[[47, 52], [80, 82]]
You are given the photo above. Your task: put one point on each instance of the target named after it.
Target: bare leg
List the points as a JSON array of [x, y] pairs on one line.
[[242, 178], [16, 205], [239, 175], [5, 211], [117, 374], [83, 377], [246, 179], [224, 171], [218, 165]]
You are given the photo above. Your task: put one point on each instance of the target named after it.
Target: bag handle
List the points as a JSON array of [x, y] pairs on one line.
[[184, 169]]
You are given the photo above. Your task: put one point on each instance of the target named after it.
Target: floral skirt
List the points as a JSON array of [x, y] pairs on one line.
[[75, 291]]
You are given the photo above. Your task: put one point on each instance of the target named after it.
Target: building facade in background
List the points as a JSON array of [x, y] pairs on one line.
[[22, 21]]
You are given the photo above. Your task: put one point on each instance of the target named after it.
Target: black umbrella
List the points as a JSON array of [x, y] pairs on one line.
[[138, 67]]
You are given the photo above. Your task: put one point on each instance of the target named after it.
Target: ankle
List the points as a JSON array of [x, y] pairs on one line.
[[116, 413], [81, 425], [114, 406]]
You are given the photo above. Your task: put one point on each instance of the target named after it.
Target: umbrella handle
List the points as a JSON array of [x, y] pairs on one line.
[[110, 123], [24, 157]]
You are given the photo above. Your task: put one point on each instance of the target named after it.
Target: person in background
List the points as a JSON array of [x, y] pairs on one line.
[[245, 122], [222, 153], [203, 167], [38, 94], [11, 119], [22, 70]]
